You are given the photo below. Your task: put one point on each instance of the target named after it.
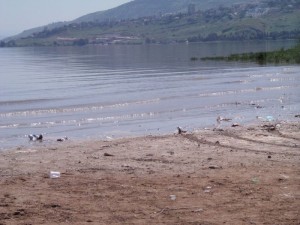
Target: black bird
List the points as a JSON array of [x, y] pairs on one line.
[[180, 131]]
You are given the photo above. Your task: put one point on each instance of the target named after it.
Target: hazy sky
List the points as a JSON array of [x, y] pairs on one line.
[[19, 15]]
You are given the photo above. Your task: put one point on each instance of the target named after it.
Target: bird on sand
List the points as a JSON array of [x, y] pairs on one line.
[[181, 131], [219, 119], [62, 139], [34, 137]]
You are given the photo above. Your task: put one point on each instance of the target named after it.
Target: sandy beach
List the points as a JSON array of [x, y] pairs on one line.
[[238, 175]]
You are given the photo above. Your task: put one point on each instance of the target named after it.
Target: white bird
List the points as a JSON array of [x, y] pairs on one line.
[[219, 119], [34, 137]]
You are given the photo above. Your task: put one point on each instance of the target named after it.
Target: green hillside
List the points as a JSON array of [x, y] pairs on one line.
[[136, 9], [144, 8], [269, 19]]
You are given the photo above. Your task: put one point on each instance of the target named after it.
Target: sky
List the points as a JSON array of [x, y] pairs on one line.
[[19, 15]]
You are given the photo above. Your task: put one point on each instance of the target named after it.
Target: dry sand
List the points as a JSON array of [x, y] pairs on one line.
[[240, 175]]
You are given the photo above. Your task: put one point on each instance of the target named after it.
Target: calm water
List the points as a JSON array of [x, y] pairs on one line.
[[117, 91]]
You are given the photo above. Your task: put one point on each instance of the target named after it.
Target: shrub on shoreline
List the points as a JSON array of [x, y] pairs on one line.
[[291, 55]]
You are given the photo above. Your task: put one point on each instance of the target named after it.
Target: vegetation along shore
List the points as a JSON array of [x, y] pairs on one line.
[[291, 56]]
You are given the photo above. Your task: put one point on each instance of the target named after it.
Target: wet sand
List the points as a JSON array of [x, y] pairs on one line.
[[239, 175]]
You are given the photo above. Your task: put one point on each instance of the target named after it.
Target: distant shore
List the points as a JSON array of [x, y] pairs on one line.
[[246, 174]]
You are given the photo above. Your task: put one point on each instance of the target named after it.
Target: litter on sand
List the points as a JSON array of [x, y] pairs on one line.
[[54, 174]]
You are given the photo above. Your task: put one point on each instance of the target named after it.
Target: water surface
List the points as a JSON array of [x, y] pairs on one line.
[[117, 91]]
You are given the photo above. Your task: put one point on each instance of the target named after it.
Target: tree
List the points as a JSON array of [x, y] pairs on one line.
[[81, 42]]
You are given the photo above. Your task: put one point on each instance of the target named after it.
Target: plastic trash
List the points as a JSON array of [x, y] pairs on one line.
[[173, 197], [54, 174], [255, 180], [270, 118], [207, 189]]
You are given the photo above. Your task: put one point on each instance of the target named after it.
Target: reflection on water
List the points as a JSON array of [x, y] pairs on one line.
[[100, 91]]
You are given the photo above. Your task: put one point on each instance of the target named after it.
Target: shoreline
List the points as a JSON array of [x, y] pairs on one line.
[[244, 174], [50, 140]]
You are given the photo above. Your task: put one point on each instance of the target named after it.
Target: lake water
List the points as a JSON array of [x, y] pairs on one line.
[[119, 91]]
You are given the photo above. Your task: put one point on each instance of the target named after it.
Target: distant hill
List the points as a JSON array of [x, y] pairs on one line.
[[235, 20], [143, 8], [29, 32], [135, 9]]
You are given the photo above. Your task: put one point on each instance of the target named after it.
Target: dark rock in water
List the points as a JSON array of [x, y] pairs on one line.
[[107, 154], [235, 125], [297, 116], [269, 157]]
